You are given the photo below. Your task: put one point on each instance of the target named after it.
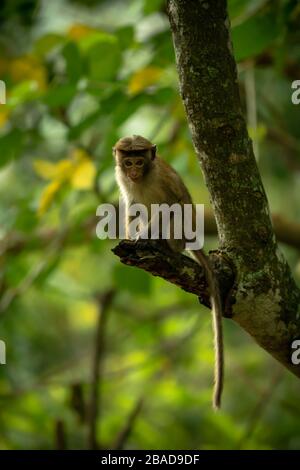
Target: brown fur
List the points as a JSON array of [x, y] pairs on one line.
[[159, 183]]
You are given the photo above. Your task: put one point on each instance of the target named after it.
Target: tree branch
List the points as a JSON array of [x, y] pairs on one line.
[[156, 258], [287, 231]]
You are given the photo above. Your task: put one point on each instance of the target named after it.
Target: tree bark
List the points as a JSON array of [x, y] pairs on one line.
[[264, 299]]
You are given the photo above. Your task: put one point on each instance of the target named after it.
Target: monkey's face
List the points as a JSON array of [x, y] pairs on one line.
[[134, 167], [135, 157]]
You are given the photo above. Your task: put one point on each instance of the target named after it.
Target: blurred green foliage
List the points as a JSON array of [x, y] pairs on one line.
[[79, 75]]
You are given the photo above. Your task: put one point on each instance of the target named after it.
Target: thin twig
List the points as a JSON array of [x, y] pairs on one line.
[[52, 253], [260, 407], [60, 435], [125, 432], [77, 401], [104, 302]]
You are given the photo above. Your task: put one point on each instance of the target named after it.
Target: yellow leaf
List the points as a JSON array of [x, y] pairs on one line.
[[4, 115], [84, 173], [44, 169], [79, 171], [28, 68], [78, 31], [79, 154], [47, 196], [64, 169], [144, 78], [51, 171]]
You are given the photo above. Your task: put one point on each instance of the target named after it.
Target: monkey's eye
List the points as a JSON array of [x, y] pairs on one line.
[[139, 163], [128, 163]]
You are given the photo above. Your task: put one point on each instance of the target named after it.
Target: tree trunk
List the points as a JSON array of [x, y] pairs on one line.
[[264, 298]]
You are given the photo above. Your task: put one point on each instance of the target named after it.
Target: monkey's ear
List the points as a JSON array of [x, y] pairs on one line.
[[153, 152], [114, 151]]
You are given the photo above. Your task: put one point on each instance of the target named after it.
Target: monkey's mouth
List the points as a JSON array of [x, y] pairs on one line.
[[135, 179]]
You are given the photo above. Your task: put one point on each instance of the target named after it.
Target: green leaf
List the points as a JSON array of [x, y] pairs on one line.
[[236, 7], [47, 271], [103, 60], [87, 42], [86, 123], [125, 36], [151, 6], [26, 218], [16, 270], [60, 95], [10, 146], [163, 49], [46, 43], [254, 35], [73, 61], [132, 279], [24, 91], [163, 96], [124, 108]]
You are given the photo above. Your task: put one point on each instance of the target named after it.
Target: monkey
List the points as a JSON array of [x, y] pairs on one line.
[[144, 177]]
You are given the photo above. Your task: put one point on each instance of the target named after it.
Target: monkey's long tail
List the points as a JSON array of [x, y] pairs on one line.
[[217, 327]]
